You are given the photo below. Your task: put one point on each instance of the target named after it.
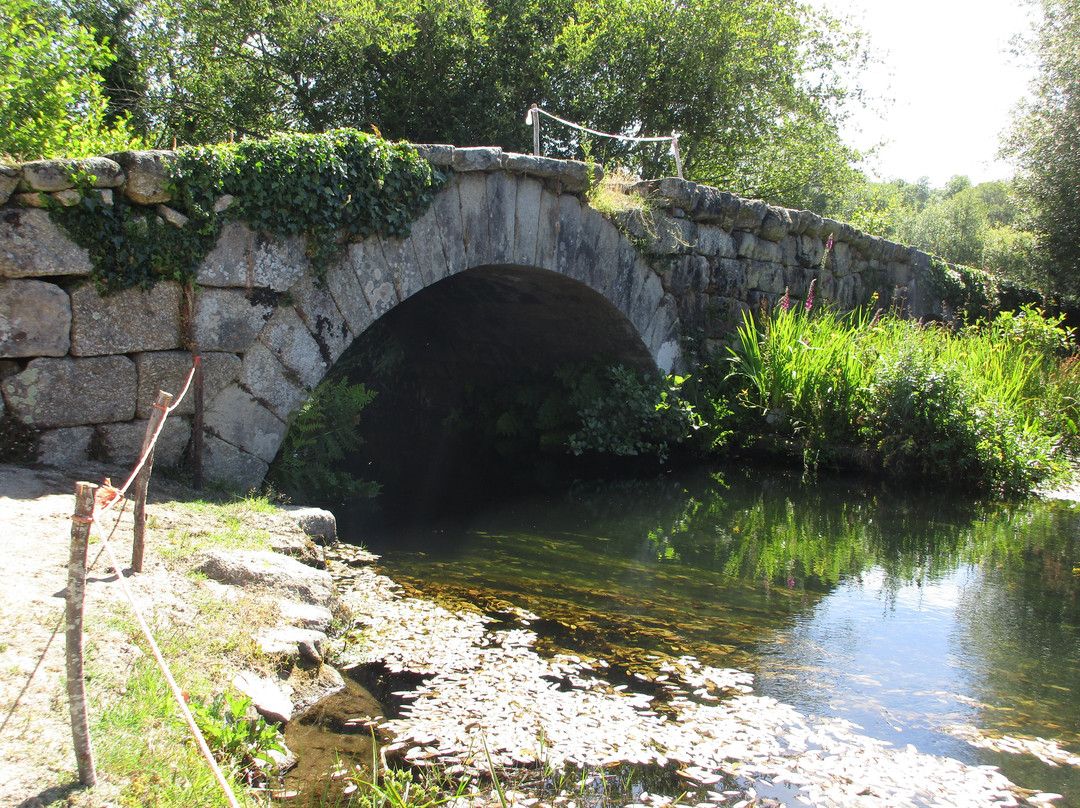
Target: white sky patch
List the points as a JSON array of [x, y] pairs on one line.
[[949, 82]]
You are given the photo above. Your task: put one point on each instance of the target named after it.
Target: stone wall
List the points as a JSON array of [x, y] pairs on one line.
[[83, 370]]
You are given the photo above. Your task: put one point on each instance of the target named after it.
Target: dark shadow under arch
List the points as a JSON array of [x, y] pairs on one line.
[[430, 355]]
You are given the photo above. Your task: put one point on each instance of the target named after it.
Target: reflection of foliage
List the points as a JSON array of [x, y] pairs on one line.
[[787, 534], [322, 436]]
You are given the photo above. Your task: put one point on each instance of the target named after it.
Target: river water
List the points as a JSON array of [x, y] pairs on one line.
[[925, 618]]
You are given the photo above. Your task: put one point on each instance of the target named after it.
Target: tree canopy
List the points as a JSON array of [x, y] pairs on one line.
[[757, 88], [50, 84], [1045, 143]]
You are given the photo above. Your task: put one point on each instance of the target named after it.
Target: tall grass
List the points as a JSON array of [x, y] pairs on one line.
[[991, 406]]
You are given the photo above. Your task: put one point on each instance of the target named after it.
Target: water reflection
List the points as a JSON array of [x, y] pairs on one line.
[[911, 613]]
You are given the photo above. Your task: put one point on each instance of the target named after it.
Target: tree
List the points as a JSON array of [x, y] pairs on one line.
[[52, 100], [1044, 143], [757, 88]]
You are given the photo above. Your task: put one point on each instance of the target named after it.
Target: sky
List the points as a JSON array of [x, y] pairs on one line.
[[945, 89]]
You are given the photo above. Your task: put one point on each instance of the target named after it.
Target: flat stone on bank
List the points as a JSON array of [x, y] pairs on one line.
[[268, 570], [267, 696]]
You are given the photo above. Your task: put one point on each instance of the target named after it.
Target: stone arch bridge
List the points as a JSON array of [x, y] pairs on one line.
[[510, 240]]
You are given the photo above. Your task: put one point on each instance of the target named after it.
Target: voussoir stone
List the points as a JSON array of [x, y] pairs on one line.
[[236, 417], [270, 571], [148, 175], [31, 245], [125, 322], [73, 391], [225, 463], [35, 319]]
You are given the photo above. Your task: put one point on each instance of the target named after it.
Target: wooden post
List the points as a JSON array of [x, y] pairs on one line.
[[76, 689], [197, 421], [534, 114], [138, 543], [678, 157]]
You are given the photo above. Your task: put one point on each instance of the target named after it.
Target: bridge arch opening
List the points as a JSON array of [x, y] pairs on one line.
[[439, 360]]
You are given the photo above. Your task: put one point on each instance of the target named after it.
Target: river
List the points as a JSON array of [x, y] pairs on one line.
[[925, 618]]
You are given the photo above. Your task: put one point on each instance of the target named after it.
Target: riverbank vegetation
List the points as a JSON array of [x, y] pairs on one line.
[[991, 406]]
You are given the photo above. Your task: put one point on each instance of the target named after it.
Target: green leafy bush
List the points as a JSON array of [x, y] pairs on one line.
[[309, 466], [246, 745]]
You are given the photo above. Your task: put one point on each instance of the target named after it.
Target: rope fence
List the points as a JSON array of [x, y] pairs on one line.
[[83, 521], [532, 117]]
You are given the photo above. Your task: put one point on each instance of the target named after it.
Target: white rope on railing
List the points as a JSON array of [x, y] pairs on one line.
[[532, 118], [174, 688]]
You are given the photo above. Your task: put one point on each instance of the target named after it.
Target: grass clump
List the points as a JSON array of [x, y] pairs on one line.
[[992, 406]]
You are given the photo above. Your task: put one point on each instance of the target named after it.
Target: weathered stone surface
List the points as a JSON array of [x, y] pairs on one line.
[[172, 216], [68, 198], [286, 335], [35, 319], [271, 383], [754, 248], [344, 287], [31, 245], [689, 273], [270, 571], [547, 229], [714, 242], [147, 175], [427, 246], [577, 177], [477, 158], [447, 209], [376, 279], [305, 615], [438, 154], [10, 176], [59, 175], [125, 322], [402, 264], [474, 219], [569, 234], [65, 447], [502, 216], [751, 215], [776, 224], [73, 392], [122, 443], [323, 318], [268, 696], [318, 523], [526, 221], [766, 277], [224, 463], [237, 418], [168, 371], [293, 642], [249, 258], [670, 192], [33, 199], [544, 167], [231, 319]]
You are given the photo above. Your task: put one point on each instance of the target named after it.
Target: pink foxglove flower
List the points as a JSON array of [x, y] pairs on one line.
[[810, 295]]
